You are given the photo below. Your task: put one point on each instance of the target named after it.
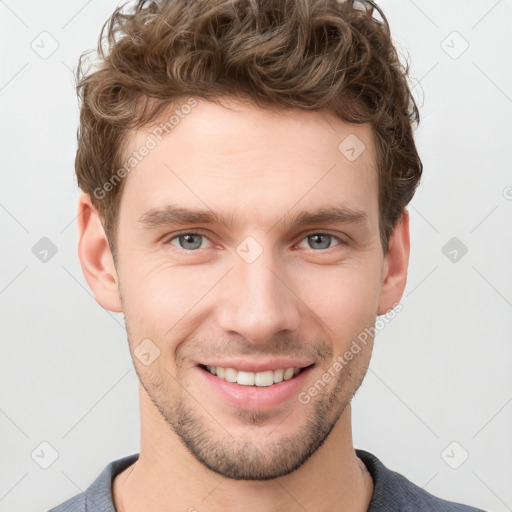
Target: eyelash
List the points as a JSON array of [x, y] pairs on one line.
[[168, 240]]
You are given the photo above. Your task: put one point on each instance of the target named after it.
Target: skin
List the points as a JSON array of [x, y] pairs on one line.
[[297, 298]]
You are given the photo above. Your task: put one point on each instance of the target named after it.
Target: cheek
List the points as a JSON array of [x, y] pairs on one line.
[[162, 302], [165, 303], [346, 299]]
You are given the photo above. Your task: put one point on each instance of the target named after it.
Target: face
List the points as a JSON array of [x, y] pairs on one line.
[[248, 240]]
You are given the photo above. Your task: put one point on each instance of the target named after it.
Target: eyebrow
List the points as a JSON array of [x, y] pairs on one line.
[[177, 215]]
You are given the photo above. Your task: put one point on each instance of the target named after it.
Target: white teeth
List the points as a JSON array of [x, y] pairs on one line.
[[265, 378], [278, 375], [230, 375], [245, 378], [288, 373]]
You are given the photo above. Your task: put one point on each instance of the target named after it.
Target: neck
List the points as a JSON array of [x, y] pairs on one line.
[[333, 478]]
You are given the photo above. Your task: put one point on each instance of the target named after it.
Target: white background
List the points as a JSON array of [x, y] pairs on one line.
[[441, 369]]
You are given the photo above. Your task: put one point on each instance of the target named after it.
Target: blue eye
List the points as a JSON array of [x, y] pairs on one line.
[[321, 241], [189, 241]]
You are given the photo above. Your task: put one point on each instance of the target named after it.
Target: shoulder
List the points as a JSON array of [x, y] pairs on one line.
[[98, 496], [74, 504], [393, 492]]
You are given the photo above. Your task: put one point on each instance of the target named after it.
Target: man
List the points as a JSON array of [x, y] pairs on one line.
[[245, 168]]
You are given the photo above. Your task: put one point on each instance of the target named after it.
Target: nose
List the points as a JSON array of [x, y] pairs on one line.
[[258, 301]]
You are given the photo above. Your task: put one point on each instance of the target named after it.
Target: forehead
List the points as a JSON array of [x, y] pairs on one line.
[[239, 159]]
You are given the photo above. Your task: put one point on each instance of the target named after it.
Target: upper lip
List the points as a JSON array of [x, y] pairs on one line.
[[258, 366]]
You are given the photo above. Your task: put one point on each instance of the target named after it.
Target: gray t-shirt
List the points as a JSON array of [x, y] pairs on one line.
[[392, 492]]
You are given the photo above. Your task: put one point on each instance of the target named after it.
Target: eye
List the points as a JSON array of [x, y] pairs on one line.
[[188, 241], [191, 241], [321, 241]]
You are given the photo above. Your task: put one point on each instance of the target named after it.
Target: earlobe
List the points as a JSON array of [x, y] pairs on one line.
[[394, 276], [95, 256]]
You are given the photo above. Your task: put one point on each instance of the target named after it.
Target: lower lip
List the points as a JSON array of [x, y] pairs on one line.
[[256, 397]]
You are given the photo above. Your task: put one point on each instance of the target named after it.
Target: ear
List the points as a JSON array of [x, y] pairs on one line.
[[394, 272], [96, 257]]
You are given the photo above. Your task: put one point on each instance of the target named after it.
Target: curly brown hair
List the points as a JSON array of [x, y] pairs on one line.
[[278, 54]]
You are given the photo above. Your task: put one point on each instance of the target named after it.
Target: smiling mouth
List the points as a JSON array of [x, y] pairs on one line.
[[256, 379]]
